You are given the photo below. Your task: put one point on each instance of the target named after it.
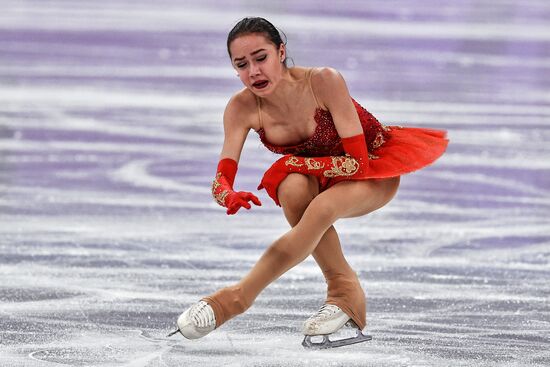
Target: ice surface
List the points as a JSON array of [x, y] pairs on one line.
[[110, 130]]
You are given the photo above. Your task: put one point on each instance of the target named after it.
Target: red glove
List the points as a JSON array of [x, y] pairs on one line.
[[353, 165], [222, 188]]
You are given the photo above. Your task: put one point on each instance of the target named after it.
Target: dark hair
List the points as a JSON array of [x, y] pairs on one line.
[[251, 25]]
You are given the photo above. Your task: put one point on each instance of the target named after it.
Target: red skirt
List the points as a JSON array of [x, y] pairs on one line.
[[406, 149]]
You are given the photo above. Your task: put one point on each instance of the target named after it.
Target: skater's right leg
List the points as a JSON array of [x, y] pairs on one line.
[[343, 287]]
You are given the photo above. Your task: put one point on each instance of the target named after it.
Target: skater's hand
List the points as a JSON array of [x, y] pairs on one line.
[[237, 200], [222, 188]]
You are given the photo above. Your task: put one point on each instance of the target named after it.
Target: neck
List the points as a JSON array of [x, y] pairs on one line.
[[282, 95]]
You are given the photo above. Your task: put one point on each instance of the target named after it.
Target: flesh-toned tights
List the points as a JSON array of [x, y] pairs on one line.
[[311, 215]]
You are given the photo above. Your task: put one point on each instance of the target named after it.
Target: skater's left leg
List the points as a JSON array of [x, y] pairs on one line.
[[344, 200]]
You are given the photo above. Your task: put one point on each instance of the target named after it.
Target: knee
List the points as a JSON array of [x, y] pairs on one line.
[[295, 193]]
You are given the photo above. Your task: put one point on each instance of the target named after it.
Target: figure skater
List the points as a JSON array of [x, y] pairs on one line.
[[338, 161]]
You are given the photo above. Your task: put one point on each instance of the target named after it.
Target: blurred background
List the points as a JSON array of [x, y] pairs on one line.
[[110, 133]]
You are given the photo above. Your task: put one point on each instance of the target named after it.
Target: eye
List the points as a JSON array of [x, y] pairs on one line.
[[240, 66], [261, 58]]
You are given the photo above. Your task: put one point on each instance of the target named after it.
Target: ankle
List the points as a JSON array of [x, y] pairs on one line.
[[340, 275], [228, 302]]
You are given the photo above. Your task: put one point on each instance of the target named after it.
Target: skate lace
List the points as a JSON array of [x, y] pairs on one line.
[[325, 311], [203, 315]]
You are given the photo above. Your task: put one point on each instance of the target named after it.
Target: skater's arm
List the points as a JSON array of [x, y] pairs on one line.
[[332, 92], [236, 129], [236, 126]]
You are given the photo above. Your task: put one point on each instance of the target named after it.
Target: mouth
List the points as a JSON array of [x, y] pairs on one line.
[[260, 84]]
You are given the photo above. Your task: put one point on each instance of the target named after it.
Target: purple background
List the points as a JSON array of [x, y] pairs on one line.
[[110, 131]]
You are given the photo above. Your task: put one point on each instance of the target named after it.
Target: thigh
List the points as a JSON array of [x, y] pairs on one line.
[[349, 199]]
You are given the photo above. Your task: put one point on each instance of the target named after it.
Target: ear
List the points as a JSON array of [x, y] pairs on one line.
[[282, 53]]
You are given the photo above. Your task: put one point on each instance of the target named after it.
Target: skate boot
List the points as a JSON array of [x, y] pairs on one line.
[[328, 320], [197, 321]]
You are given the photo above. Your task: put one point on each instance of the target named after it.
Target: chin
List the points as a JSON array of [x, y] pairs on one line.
[[262, 93]]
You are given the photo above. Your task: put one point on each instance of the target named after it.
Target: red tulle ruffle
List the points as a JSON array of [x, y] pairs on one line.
[[408, 149]]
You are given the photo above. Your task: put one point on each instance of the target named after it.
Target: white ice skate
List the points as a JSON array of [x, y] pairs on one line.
[[328, 320], [197, 321]]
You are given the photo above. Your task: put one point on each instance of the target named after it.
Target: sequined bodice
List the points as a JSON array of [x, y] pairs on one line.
[[325, 139]]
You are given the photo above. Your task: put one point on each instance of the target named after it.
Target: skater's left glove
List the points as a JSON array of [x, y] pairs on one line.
[[353, 165], [222, 188]]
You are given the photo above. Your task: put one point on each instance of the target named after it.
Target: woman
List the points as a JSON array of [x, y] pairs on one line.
[[339, 162]]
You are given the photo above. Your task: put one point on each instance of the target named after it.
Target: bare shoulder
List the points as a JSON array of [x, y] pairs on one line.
[[326, 74], [327, 83], [241, 110]]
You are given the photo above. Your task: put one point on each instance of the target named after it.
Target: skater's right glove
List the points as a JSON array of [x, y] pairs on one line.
[[222, 188]]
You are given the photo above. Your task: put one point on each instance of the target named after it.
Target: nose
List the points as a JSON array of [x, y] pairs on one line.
[[253, 70]]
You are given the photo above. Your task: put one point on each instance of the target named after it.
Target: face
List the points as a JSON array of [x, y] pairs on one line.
[[258, 62]]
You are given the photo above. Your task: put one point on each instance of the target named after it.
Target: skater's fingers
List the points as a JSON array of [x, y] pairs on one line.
[[250, 196], [243, 199]]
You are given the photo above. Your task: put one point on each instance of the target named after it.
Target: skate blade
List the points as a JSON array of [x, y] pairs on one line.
[[173, 333], [326, 343]]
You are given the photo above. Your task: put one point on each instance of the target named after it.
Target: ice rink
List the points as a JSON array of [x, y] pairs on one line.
[[110, 132]]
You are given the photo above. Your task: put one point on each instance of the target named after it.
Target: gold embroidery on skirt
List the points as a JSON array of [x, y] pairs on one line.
[[342, 166], [220, 197], [293, 161], [313, 164]]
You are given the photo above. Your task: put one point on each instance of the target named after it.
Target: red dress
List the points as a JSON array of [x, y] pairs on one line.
[[393, 150]]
